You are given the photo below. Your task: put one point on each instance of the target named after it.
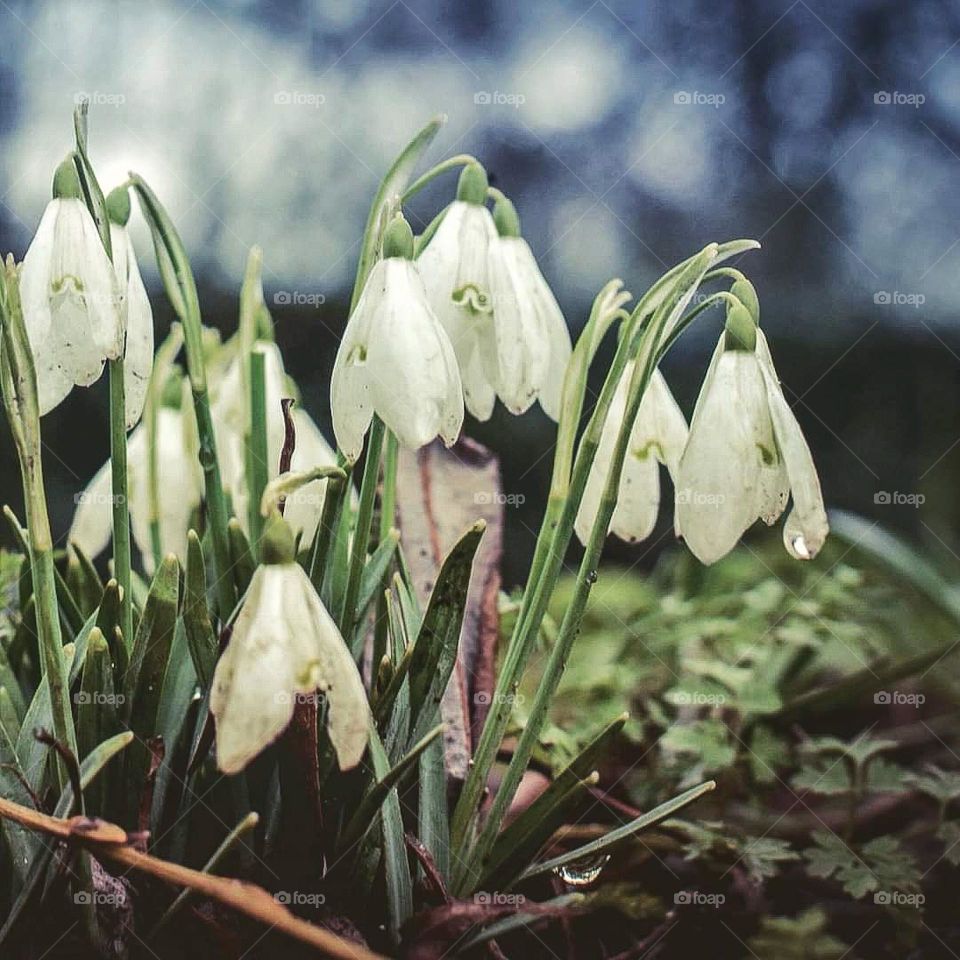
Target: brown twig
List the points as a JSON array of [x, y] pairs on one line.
[[107, 841]]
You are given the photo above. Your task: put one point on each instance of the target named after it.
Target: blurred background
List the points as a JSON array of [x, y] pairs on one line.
[[629, 135]]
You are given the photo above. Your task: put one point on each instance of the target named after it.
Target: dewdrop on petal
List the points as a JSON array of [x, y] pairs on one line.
[[284, 645], [71, 302]]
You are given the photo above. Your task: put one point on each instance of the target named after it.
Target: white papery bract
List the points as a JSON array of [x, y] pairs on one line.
[[456, 273], [231, 416], [395, 360], [659, 435], [179, 482], [745, 455], [72, 307], [284, 645], [137, 319], [526, 351]]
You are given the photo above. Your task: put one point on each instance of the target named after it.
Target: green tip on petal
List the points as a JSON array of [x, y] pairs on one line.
[[66, 183], [745, 292], [741, 330], [277, 544], [472, 187], [506, 218], [118, 206], [398, 239]]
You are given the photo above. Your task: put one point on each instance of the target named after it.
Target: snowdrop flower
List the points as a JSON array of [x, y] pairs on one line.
[[658, 436], [746, 454], [526, 350], [284, 645], [455, 267], [179, 480], [231, 416], [136, 314], [71, 304], [395, 359]]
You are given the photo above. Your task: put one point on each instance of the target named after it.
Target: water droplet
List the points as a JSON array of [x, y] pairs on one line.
[[582, 873], [592, 576], [798, 547]]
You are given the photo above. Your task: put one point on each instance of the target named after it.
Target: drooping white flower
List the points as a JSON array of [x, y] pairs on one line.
[[136, 313], [456, 273], [180, 488], [526, 351], [395, 359], [284, 645], [71, 303], [658, 436], [231, 416], [745, 455]]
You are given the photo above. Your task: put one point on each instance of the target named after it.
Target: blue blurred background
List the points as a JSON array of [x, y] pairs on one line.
[[629, 134]]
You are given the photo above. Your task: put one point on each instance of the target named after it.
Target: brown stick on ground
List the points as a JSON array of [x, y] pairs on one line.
[[106, 841]]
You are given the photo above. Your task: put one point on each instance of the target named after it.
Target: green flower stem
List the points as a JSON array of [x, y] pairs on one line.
[[541, 589], [361, 532], [388, 510], [182, 292], [19, 381], [257, 468], [451, 163], [120, 499]]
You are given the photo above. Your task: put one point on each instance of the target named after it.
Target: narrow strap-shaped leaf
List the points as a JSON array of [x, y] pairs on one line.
[[374, 798], [96, 699], [83, 580], [376, 569], [520, 842], [654, 816], [241, 556], [108, 623], [196, 616], [435, 651], [432, 811], [393, 184], [8, 679], [396, 866]]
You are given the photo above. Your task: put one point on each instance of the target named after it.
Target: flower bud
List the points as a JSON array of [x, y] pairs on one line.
[[745, 292], [741, 328], [118, 206], [472, 186], [66, 183], [277, 544], [506, 218], [398, 239]]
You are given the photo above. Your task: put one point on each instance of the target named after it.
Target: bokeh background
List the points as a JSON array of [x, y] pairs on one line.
[[629, 134]]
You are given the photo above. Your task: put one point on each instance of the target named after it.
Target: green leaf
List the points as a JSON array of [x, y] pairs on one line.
[[707, 741], [649, 819], [435, 650], [881, 865], [392, 185], [804, 937], [201, 639]]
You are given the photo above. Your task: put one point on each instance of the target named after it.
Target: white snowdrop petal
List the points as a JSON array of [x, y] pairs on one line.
[[92, 524], [717, 479], [35, 277], [303, 508], [138, 344]]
